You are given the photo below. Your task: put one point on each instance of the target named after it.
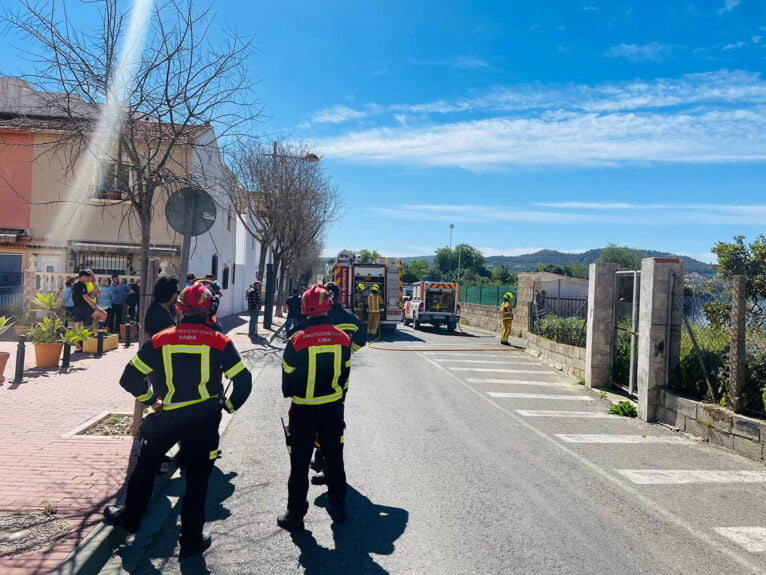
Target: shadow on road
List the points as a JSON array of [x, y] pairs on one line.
[[370, 529]]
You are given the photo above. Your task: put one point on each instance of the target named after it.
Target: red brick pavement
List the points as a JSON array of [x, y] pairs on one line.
[[41, 464]]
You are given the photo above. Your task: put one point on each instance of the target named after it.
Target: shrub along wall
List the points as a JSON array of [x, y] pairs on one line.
[[568, 358]]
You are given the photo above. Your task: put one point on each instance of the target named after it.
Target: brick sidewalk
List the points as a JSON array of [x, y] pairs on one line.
[[42, 465]]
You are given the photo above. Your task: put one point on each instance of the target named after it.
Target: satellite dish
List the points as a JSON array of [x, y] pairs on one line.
[[190, 211]]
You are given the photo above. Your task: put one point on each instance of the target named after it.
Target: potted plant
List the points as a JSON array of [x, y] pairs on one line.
[[5, 325], [45, 335]]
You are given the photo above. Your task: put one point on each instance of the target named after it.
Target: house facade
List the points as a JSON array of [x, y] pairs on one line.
[[60, 216]]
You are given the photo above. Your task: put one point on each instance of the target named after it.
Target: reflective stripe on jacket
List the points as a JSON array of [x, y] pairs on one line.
[[316, 363], [186, 364], [374, 301]]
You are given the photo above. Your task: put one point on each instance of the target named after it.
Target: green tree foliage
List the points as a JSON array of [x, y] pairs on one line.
[[416, 271], [463, 258], [368, 256], [738, 259], [576, 270], [502, 276], [626, 258]]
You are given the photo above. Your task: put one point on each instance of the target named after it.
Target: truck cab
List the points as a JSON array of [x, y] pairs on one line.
[[435, 303]]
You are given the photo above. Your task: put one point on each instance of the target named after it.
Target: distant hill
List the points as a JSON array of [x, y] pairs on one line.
[[528, 262]]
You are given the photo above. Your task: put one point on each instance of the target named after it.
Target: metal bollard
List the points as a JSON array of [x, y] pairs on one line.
[[20, 355], [99, 344], [128, 329], [66, 356]]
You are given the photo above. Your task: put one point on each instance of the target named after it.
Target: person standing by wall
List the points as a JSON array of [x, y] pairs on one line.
[[68, 301], [119, 293], [84, 304], [254, 303], [185, 365], [104, 300], [506, 314], [315, 369]]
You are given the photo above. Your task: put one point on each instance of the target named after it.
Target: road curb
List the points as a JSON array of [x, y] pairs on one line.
[[92, 554]]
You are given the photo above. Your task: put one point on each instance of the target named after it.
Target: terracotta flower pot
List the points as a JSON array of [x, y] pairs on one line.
[[4, 355], [47, 354]]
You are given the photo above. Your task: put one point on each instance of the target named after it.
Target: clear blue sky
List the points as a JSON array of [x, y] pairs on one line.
[[562, 124]]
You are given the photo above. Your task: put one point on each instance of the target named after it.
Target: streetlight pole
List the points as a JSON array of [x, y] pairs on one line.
[[449, 254]]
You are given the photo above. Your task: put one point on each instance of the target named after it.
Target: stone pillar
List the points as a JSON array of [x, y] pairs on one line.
[[737, 354], [599, 345], [659, 330]]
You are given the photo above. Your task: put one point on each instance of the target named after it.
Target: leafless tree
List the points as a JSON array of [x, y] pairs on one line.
[[289, 200], [136, 115]]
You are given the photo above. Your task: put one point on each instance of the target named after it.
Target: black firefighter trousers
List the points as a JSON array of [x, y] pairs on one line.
[[306, 422], [195, 427]]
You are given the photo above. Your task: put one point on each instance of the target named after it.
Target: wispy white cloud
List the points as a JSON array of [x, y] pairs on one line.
[[337, 115], [640, 215], [459, 62], [639, 52], [728, 6], [715, 117]]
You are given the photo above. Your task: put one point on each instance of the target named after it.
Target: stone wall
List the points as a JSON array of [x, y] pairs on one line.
[[714, 423], [483, 316], [569, 358]]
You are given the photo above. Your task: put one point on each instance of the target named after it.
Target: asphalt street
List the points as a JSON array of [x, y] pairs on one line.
[[464, 456]]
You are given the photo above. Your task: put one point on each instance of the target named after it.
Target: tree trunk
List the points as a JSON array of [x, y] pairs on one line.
[[262, 260]]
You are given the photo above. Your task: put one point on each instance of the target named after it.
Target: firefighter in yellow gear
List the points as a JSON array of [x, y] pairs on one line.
[[374, 306], [506, 313], [359, 302]]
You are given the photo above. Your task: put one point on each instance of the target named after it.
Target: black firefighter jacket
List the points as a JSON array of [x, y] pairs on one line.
[[185, 365], [316, 363]]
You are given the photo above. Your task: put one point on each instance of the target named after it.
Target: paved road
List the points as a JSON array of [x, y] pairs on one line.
[[467, 457]]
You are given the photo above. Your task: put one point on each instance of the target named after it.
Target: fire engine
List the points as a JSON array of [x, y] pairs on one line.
[[385, 273], [435, 303]]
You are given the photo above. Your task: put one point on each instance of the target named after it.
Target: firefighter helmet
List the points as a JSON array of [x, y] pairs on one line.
[[508, 296], [360, 287], [196, 298], [375, 288], [316, 301]]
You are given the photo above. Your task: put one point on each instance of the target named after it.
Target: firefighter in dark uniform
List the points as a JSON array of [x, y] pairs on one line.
[[356, 331], [184, 365], [315, 368]]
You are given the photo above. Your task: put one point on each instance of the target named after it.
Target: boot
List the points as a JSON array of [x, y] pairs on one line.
[[319, 479], [197, 548], [291, 521], [115, 515]]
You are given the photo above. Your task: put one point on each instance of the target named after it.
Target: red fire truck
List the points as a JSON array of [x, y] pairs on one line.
[[385, 273]]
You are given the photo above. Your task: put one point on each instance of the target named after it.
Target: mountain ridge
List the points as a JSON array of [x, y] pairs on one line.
[[528, 262]]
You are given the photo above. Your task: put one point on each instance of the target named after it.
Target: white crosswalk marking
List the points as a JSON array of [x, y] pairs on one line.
[[685, 476], [605, 438], [539, 396], [521, 382], [516, 357], [540, 371], [753, 539], [485, 362], [552, 413]]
